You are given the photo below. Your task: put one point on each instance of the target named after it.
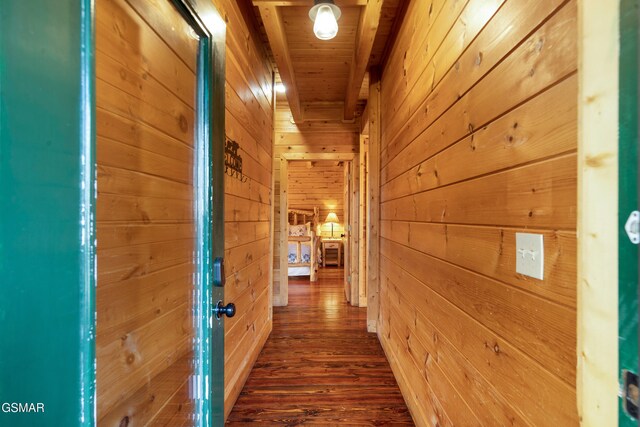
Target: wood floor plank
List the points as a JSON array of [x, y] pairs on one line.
[[320, 366]]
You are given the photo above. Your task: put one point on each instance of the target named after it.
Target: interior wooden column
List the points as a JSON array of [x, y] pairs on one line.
[[373, 201], [346, 190], [362, 227], [354, 226], [282, 297]]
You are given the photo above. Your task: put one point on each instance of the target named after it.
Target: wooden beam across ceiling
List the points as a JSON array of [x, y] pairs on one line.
[[364, 121], [367, 29], [274, 27]]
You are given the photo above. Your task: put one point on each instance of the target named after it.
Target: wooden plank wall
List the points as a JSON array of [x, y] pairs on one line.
[[248, 121], [479, 138], [145, 228], [318, 183], [312, 136], [140, 128]]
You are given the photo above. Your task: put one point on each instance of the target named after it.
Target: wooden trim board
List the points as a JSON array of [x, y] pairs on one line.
[[373, 201], [597, 385]]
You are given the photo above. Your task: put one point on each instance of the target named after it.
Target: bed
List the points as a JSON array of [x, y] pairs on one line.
[[303, 243]]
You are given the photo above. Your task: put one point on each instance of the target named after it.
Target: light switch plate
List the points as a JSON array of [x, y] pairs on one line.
[[530, 255]]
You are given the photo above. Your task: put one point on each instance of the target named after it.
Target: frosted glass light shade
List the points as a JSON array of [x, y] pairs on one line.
[[325, 15], [326, 25]]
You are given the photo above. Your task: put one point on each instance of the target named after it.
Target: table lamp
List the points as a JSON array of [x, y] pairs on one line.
[[332, 218]]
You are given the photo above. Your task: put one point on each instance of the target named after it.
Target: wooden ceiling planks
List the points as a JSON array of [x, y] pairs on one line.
[[327, 71], [335, 54]]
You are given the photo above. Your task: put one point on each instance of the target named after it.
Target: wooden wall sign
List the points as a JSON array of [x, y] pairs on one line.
[[233, 161]]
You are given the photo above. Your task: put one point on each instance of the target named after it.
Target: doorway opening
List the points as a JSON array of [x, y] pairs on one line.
[[317, 188]]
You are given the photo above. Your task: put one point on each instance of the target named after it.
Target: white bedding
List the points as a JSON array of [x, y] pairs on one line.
[[299, 252], [299, 271]]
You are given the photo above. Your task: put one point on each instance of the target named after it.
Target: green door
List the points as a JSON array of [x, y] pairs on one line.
[[48, 213], [628, 212], [46, 208]]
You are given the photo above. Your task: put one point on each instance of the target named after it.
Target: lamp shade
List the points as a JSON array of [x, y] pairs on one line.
[[325, 15], [332, 217]]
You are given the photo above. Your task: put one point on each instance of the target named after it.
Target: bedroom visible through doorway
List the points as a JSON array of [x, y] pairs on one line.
[[319, 199]]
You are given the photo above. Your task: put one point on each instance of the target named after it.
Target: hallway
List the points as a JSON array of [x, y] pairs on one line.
[[320, 366], [173, 173]]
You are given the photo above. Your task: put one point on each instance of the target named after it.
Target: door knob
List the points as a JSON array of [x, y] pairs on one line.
[[228, 310]]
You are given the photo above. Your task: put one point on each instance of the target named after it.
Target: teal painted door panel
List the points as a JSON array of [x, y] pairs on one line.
[[210, 135], [47, 178], [46, 243], [628, 193]]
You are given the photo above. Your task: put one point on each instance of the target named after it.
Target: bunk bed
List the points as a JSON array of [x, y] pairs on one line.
[[303, 243]]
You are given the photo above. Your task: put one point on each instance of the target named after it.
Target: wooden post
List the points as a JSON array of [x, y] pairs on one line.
[[362, 209], [347, 183], [354, 235], [597, 384], [283, 294], [272, 199], [315, 245], [373, 202]]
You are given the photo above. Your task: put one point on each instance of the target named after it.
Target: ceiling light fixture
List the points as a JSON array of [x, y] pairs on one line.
[[280, 88], [325, 15]]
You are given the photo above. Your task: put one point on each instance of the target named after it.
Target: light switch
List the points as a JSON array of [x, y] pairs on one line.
[[530, 255]]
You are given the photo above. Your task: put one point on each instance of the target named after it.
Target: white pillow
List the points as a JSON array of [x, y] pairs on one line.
[[298, 230]]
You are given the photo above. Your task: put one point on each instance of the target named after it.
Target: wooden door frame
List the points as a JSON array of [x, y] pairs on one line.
[[282, 297], [355, 197], [373, 199], [346, 192], [598, 228], [363, 216], [352, 200]]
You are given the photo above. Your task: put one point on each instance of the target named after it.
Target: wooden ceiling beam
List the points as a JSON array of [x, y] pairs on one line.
[[369, 21], [306, 3], [364, 121], [274, 27], [401, 13]]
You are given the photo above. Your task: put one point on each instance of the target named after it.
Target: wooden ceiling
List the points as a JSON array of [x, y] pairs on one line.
[[326, 71]]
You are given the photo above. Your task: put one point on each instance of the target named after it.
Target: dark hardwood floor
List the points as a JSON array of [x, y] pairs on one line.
[[320, 366]]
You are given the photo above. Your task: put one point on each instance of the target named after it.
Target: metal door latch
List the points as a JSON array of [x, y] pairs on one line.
[[632, 227], [630, 393], [218, 272]]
